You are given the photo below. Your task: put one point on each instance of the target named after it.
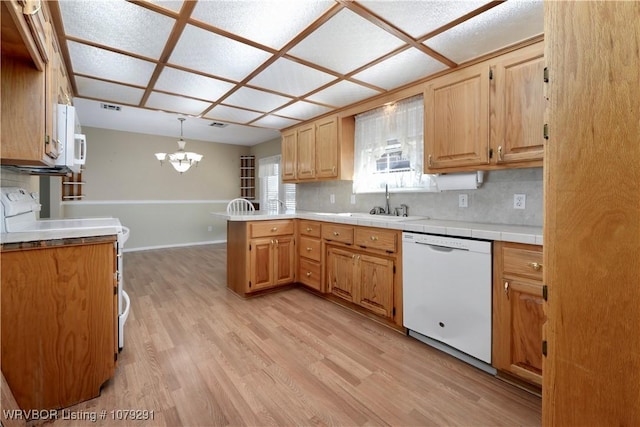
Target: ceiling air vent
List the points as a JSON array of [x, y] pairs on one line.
[[110, 107], [219, 125]]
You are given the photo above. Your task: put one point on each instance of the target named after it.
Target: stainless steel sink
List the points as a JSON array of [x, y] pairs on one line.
[[370, 217]]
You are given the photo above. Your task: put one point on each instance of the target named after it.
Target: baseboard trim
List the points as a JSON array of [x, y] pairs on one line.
[[175, 245]]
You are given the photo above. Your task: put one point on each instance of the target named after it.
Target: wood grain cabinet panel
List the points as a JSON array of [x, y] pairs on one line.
[[376, 238], [60, 316], [309, 228], [338, 233], [375, 284], [289, 143], [306, 153], [341, 273], [518, 311], [310, 247], [327, 148], [310, 273]]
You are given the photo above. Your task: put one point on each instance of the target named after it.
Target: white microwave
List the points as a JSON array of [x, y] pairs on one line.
[[72, 146]]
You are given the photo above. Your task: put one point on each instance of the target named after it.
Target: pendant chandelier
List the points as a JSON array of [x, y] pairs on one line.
[[181, 160]]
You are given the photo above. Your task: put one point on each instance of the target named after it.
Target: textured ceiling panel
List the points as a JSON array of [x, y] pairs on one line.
[[268, 22], [419, 17], [178, 104], [232, 114], [213, 54], [303, 110], [98, 89], [291, 78], [501, 26], [406, 67], [126, 27], [168, 4], [109, 65], [191, 84], [338, 44], [275, 122], [343, 93], [256, 99]]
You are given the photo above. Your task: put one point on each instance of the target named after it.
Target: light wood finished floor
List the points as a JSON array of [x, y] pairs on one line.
[[198, 355]]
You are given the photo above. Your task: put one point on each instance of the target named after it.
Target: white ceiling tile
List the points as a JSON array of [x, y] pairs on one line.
[[108, 65], [98, 89], [303, 110], [168, 4], [343, 93], [345, 42], [291, 78], [162, 101], [275, 122], [412, 63], [216, 55], [190, 84], [256, 99], [268, 22], [222, 112], [419, 17], [501, 26], [121, 25]]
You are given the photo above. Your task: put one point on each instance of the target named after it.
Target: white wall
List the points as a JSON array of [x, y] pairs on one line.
[[161, 207]]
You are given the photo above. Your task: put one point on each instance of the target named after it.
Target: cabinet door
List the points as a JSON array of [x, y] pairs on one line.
[[327, 148], [340, 272], [305, 151], [457, 119], [519, 317], [261, 263], [284, 267], [517, 104], [375, 280], [289, 142]]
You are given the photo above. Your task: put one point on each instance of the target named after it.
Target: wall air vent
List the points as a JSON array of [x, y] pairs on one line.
[[110, 107], [219, 125]]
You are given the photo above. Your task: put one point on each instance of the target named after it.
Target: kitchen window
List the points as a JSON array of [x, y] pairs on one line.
[[272, 190], [389, 147]]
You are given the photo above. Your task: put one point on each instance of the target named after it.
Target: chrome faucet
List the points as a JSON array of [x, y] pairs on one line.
[[386, 196]]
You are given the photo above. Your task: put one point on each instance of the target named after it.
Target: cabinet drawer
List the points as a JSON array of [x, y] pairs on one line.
[[270, 228], [376, 238], [338, 233], [309, 228], [523, 262], [309, 247], [309, 273]]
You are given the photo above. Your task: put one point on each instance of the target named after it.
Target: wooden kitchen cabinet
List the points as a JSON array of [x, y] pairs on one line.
[[319, 150], [518, 314], [60, 316], [487, 116], [361, 267], [309, 254], [260, 255]]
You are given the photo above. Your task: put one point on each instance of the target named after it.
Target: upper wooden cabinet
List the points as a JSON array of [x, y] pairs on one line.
[[319, 150], [487, 116], [457, 119], [33, 82]]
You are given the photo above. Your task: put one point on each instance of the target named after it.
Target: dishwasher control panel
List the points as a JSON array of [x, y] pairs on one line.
[[447, 242]]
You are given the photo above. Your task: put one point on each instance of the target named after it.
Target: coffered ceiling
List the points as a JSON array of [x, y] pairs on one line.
[[256, 66]]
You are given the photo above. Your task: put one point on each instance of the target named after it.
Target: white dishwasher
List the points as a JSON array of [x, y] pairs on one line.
[[447, 294]]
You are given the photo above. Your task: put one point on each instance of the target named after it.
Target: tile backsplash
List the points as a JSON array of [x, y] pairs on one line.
[[491, 203], [9, 178]]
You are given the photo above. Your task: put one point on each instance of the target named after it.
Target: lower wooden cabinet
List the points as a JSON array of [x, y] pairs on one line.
[[518, 314], [260, 255], [310, 255], [59, 321]]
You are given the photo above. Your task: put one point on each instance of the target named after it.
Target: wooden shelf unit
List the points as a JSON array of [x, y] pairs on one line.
[[248, 177], [72, 187]]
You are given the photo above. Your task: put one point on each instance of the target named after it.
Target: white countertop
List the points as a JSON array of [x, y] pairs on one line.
[[63, 229], [485, 231]]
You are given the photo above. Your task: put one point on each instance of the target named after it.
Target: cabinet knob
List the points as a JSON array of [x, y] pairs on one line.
[[309, 229], [271, 242], [335, 233], [274, 229], [506, 289], [374, 238], [309, 249], [536, 266], [308, 274], [277, 242]]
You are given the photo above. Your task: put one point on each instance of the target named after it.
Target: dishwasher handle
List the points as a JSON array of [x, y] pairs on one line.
[[442, 248]]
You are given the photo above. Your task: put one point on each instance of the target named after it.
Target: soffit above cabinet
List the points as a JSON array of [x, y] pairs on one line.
[[263, 65]]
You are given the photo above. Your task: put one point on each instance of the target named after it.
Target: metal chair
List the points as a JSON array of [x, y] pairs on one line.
[[240, 206]]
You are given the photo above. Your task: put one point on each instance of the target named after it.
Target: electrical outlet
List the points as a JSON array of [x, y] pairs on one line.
[[463, 200], [353, 199], [210, 228], [519, 201], [332, 198]]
